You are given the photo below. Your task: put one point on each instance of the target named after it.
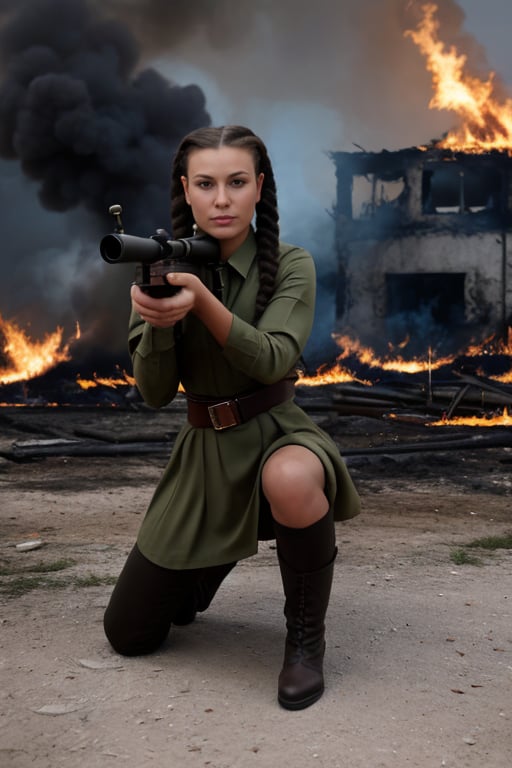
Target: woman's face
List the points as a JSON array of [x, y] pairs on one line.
[[222, 188]]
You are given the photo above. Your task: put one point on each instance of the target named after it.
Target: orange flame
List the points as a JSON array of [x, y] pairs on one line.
[[487, 123], [352, 348], [101, 381], [363, 355], [27, 358], [502, 420]]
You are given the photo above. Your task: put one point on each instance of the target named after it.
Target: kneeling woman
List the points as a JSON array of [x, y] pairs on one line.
[[249, 464]]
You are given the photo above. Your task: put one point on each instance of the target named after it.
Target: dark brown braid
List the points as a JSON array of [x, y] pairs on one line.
[[267, 216]]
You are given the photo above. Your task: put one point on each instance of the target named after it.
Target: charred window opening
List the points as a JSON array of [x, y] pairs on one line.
[[372, 193], [424, 304], [456, 188]]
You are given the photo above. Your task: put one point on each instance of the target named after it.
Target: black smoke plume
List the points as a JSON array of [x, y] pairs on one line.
[[82, 120], [87, 124]]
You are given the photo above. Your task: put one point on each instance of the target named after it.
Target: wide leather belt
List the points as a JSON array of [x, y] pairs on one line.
[[225, 413]]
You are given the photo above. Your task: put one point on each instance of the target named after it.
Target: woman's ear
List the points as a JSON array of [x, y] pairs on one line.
[[184, 181], [259, 185]]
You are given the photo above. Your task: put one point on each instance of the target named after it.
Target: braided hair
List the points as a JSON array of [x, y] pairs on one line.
[[267, 216]]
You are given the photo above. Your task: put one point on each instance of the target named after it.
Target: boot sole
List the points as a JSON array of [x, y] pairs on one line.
[[302, 703]]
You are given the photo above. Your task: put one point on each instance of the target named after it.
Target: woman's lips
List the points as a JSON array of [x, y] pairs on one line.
[[223, 220]]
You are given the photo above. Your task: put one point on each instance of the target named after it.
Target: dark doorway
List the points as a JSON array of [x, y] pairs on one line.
[[428, 307]]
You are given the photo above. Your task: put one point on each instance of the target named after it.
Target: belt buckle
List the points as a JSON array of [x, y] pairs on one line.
[[224, 415]]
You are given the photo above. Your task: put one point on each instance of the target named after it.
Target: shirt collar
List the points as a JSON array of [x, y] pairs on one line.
[[243, 257]]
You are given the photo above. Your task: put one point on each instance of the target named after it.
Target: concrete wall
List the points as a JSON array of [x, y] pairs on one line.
[[480, 257]]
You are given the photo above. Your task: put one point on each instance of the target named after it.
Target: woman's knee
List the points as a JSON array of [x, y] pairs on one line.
[[131, 634], [118, 637], [138, 616], [292, 475], [132, 646]]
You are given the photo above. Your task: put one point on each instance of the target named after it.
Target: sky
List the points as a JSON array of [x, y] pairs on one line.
[[309, 78], [490, 22]]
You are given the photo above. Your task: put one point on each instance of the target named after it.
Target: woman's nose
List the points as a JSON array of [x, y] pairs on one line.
[[222, 197]]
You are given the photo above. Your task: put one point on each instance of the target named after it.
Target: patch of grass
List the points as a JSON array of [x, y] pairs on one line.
[[94, 581], [20, 586], [461, 557], [23, 584], [492, 542], [19, 581], [57, 565]]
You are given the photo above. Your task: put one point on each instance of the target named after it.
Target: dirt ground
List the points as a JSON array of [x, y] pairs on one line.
[[419, 658]]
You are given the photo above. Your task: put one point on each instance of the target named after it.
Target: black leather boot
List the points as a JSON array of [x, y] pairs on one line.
[[301, 681], [205, 583]]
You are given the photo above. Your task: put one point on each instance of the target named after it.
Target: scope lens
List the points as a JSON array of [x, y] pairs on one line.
[[110, 248]]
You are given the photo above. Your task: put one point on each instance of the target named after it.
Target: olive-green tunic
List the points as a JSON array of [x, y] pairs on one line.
[[206, 507]]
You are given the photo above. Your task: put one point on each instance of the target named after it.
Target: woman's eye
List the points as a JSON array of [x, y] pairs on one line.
[[238, 182]]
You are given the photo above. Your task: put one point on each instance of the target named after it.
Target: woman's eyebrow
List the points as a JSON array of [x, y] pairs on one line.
[[201, 175]]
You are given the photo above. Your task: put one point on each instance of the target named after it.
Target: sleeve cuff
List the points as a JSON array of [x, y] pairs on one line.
[[144, 339]]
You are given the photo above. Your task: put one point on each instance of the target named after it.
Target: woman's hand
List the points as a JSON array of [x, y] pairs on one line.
[[194, 297], [169, 310]]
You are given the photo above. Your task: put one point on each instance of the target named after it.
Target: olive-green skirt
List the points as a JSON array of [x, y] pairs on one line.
[[208, 507]]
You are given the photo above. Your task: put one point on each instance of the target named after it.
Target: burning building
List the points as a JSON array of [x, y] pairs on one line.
[[423, 245], [422, 233]]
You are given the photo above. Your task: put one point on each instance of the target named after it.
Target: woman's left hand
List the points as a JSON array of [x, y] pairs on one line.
[[169, 310]]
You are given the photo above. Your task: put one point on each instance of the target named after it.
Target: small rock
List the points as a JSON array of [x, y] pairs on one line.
[[57, 709], [104, 664], [26, 546]]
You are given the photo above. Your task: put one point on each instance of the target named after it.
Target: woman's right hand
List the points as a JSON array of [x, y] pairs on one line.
[[193, 296], [161, 313]]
